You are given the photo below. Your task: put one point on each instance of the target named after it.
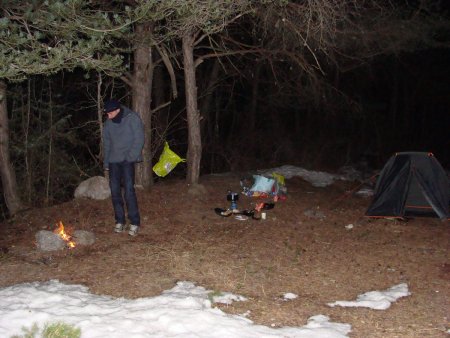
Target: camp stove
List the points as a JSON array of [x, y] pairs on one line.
[[233, 197]]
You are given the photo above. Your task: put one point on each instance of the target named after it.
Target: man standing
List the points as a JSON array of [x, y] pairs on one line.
[[123, 140]]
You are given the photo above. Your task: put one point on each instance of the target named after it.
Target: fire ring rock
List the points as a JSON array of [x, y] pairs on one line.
[[48, 241], [83, 237]]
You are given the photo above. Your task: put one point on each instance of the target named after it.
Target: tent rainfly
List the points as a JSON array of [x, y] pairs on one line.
[[411, 184]]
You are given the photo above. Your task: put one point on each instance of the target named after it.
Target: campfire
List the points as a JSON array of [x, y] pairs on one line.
[[59, 239], [63, 234]]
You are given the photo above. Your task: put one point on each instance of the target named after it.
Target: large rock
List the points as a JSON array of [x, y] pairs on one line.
[[83, 237], [96, 187], [49, 241]]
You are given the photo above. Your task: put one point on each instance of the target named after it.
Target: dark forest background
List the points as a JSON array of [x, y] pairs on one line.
[[258, 110]]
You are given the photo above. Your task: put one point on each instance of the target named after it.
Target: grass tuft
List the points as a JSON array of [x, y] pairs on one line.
[[53, 330]]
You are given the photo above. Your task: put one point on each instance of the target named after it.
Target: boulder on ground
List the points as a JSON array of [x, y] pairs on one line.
[[83, 237], [96, 187], [49, 241]]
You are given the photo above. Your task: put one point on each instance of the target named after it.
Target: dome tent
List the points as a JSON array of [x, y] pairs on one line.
[[411, 184]]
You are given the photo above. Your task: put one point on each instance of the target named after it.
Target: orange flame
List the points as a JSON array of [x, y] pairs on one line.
[[60, 231]]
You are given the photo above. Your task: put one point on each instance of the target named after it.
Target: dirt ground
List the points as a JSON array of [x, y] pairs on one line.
[[303, 247]]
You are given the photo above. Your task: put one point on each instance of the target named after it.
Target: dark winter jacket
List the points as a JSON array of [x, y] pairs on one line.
[[123, 141]]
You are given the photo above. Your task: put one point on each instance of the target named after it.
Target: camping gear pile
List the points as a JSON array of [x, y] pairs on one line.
[[270, 189], [265, 187]]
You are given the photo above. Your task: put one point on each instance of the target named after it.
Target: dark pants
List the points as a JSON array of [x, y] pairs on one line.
[[122, 174]]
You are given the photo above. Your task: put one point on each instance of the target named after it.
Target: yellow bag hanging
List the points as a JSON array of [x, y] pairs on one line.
[[167, 161]]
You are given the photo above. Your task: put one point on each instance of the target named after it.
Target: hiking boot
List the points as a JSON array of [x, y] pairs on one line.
[[133, 230], [119, 227]]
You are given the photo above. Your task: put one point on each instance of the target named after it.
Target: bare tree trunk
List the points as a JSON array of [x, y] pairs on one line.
[[27, 155], [208, 110], [159, 88], [160, 121], [194, 153], [208, 96], [50, 148], [100, 113], [394, 102], [7, 174], [142, 98], [254, 102]]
